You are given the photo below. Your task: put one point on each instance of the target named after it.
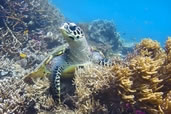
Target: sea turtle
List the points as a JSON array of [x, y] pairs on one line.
[[79, 54], [63, 61]]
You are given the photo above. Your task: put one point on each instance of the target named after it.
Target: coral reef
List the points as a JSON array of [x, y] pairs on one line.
[[93, 89], [104, 32], [8, 68], [103, 35], [140, 83], [12, 99], [28, 27], [18, 96]]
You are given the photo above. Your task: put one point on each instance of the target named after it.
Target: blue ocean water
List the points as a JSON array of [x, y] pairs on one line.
[[134, 19]]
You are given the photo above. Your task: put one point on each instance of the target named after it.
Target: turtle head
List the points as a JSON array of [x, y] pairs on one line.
[[71, 32]]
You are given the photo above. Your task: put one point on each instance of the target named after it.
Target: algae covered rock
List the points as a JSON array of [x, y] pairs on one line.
[[103, 35], [104, 32]]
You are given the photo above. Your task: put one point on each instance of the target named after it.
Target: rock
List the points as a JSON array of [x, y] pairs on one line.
[[103, 35]]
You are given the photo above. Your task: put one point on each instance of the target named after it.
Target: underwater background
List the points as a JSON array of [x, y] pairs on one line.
[[133, 75], [134, 19]]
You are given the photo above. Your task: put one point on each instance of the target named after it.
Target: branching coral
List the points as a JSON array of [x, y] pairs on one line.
[[146, 81], [28, 26], [166, 68], [149, 48], [166, 106], [141, 82], [18, 96], [12, 98], [89, 83]]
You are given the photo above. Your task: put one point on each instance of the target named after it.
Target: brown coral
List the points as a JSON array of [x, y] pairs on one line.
[[142, 81], [166, 68], [12, 99], [166, 106], [29, 27], [16, 96], [149, 48], [90, 82]]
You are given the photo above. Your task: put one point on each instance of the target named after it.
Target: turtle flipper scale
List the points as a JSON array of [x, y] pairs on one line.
[[55, 83]]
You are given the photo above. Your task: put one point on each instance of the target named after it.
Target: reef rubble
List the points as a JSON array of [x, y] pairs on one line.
[[103, 35]]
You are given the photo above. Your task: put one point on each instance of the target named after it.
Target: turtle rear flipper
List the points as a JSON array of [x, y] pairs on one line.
[[99, 58], [106, 62]]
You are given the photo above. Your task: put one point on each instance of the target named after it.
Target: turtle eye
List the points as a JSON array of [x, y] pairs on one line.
[[72, 28], [65, 26]]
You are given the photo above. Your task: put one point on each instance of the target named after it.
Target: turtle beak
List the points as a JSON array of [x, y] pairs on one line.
[[61, 28]]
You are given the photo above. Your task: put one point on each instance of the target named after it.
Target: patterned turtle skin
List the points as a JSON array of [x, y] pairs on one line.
[[78, 54]]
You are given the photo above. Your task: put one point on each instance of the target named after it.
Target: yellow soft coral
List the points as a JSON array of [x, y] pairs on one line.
[[166, 105], [143, 80], [149, 48]]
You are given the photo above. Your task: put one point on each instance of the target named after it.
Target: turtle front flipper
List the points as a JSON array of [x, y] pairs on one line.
[[57, 67], [56, 83]]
